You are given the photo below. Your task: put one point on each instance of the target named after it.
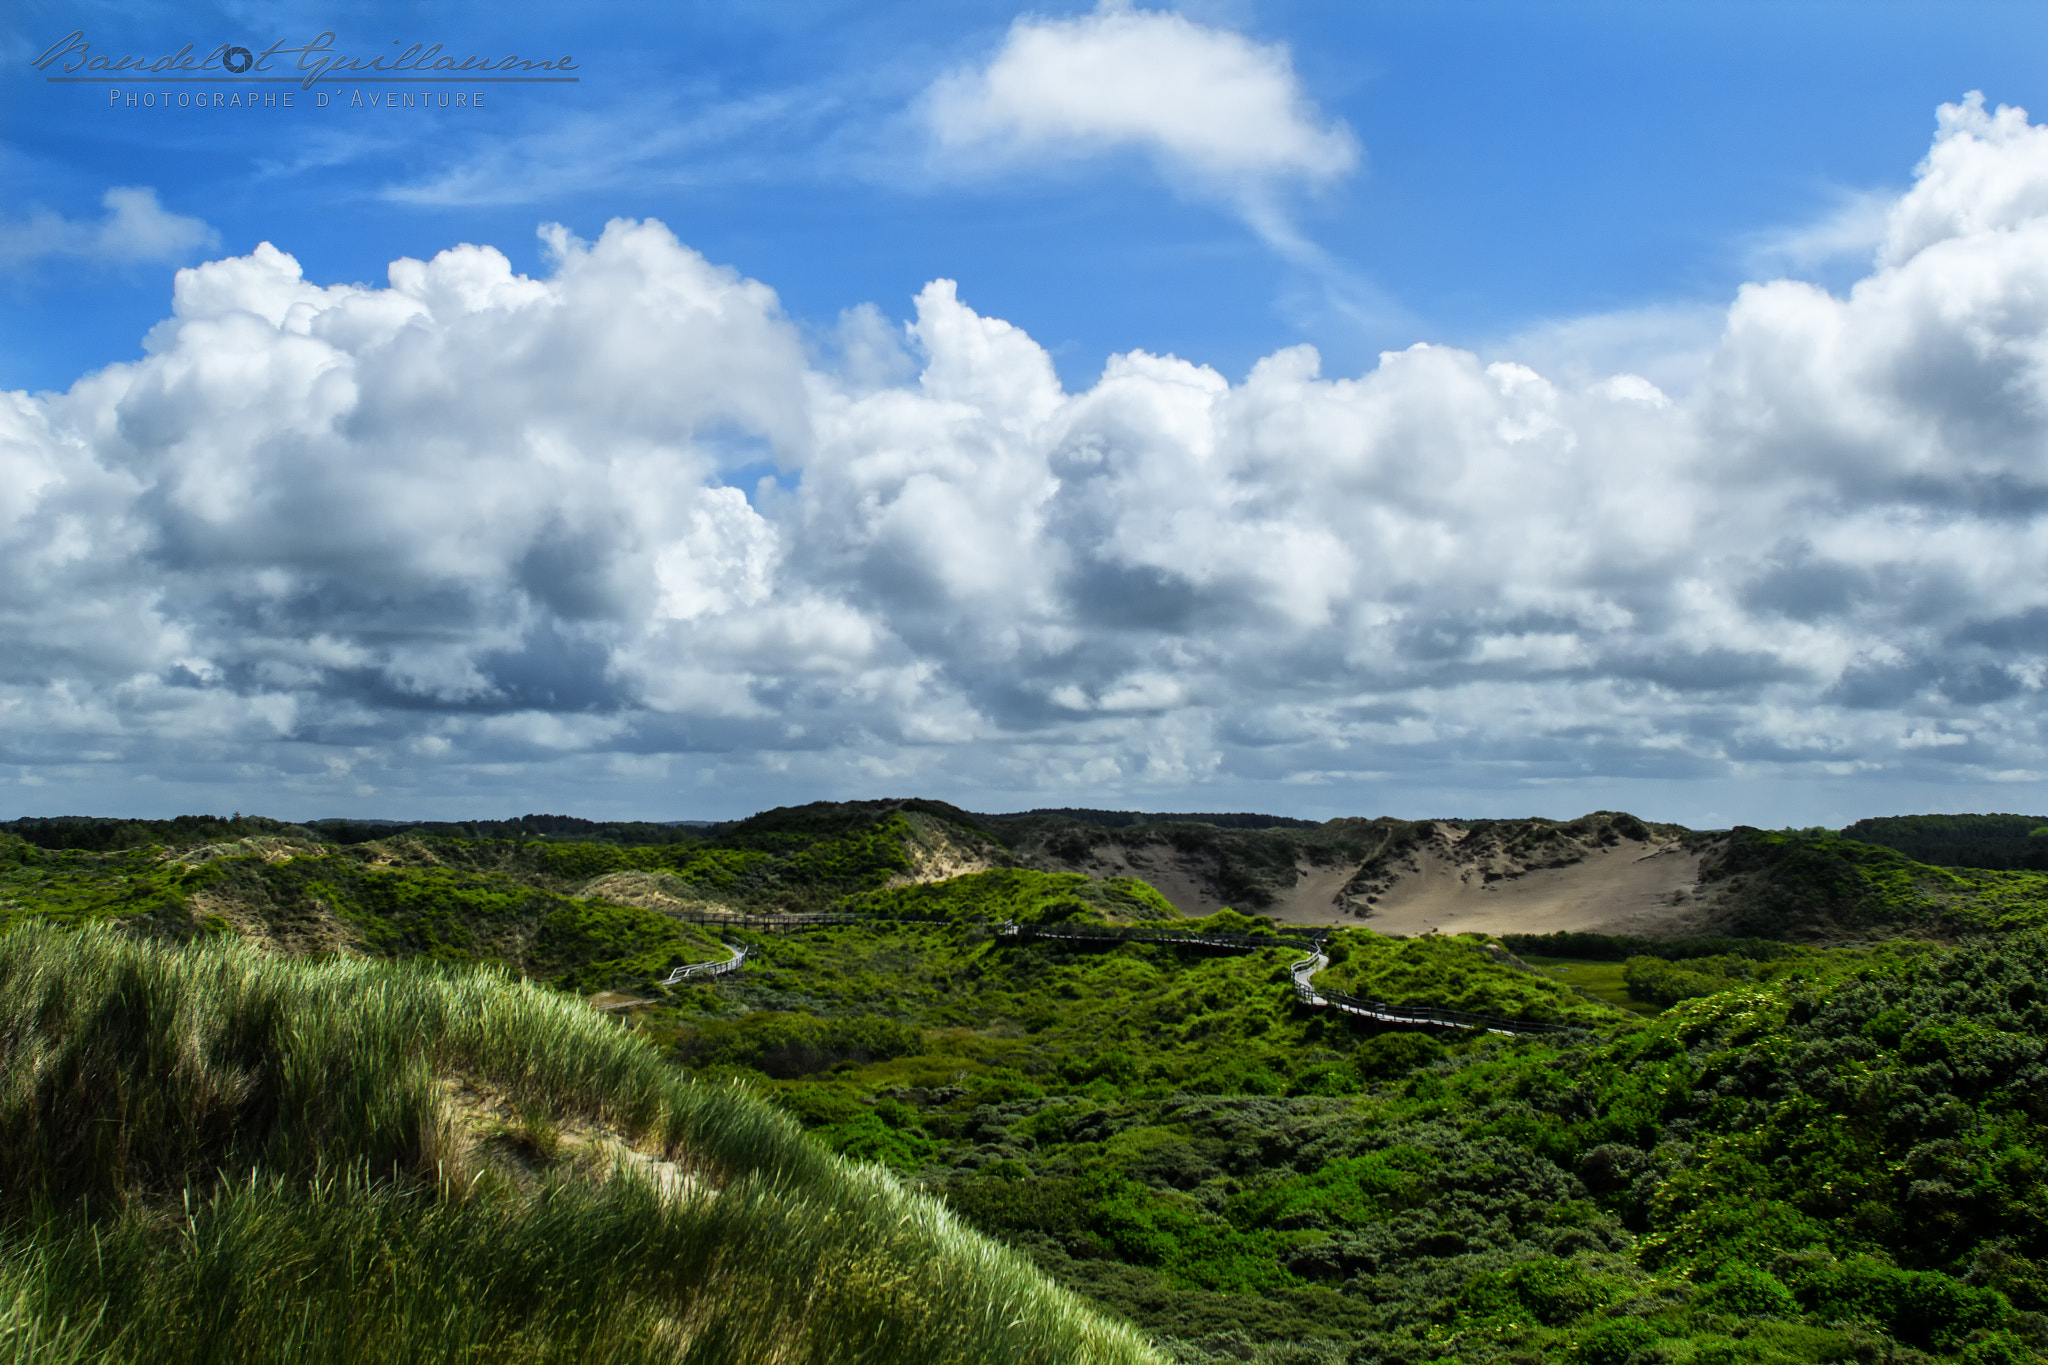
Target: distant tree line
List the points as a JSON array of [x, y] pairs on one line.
[[97, 834], [1999, 842], [568, 828], [101, 834]]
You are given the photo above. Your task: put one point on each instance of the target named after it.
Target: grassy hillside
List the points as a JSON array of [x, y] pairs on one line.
[[1788, 885], [557, 911], [208, 1153], [448, 901]]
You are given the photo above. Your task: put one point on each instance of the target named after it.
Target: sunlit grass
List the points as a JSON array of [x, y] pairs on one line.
[[210, 1154], [1601, 980]]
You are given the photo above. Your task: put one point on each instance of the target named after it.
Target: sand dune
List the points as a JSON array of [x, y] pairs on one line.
[[1632, 888], [1460, 882]]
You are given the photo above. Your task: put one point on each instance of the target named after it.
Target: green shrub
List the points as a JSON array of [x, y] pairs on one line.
[[1615, 1341], [1931, 1310], [1551, 1293], [1388, 1055], [786, 1045], [1455, 973], [1746, 1292]]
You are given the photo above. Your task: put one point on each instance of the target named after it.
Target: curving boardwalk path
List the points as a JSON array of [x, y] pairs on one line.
[[1382, 1012], [1103, 933], [696, 970], [1302, 970]]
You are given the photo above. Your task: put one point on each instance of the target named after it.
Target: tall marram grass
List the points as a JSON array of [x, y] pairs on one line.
[[211, 1154]]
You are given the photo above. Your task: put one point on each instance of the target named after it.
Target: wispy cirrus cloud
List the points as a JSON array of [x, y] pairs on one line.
[[1849, 233], [644, 141], [136, 228]]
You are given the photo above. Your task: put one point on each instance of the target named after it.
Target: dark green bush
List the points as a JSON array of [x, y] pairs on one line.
[[787, 1045], [1747, 1292]]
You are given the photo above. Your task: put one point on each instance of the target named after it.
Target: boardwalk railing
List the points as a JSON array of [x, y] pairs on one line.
[[804, 920], [700, 970], [1427, 1015], [1098, 933], [759, 921], [1282, 937]]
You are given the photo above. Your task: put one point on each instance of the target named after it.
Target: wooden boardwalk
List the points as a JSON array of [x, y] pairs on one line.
[[1379, 1011], [1117, 933], [1428, 1016], [703, 970]]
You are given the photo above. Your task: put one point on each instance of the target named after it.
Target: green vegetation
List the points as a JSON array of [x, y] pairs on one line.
[[1613, 948], [1460, 973], [89, 835], [97, 835], [760, 871], [1750, 1149], [1662, 981], [1817, 887], [528, 902], [1605, 981], [1645, 976], [1023, 896], [992, 1015], [207, 1153], [396, 899], [1741, 1178]]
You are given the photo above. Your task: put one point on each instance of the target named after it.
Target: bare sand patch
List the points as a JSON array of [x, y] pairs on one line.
[[1631, 888], [938, 854], [1167, 871], [1316, 897]]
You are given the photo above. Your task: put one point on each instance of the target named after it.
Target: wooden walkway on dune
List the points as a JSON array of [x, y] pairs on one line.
[[1116, 933], [705, 970], [1380, 1011], [1302, 971]]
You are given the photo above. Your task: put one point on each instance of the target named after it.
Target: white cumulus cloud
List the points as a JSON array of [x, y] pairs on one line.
[[473, 523], [1205, 98], [1216, 111]]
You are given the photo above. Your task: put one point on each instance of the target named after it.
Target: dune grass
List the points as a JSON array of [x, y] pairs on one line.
[[207, 1153]]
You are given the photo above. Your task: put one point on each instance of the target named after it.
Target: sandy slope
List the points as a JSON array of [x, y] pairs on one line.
[[1632, 888], [1183, 881], [1461, 881], [1315, 897]]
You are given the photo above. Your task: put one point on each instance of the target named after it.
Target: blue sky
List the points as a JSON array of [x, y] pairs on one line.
[[1520, 162], [495, 535]]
